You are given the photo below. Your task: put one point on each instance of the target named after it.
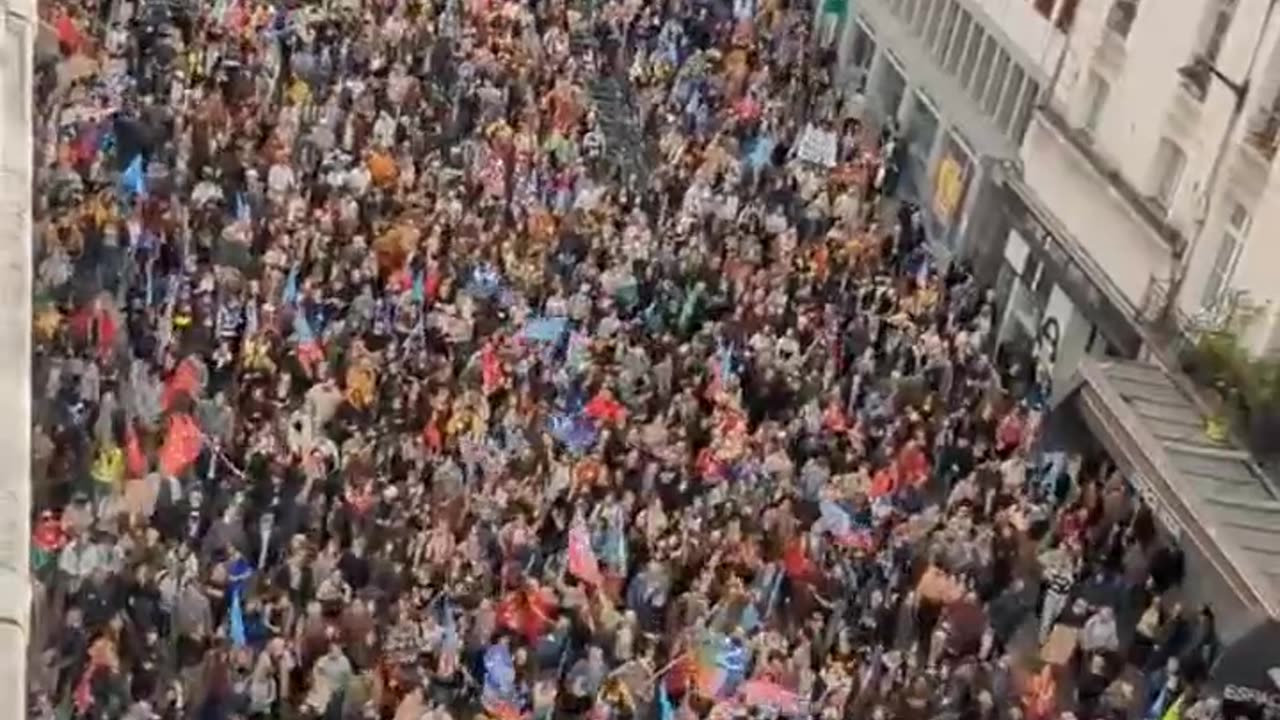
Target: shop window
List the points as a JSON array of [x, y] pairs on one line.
[[999, 74], [1170, 161], [959, 40], [862, 49], [1224, 264]]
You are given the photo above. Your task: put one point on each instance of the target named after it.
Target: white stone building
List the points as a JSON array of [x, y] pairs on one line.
[[18, 27], [1089, 155], [1155, 151], [963, 79]]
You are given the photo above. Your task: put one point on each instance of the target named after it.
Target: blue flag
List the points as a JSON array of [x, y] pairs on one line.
[[302, 333], [576, 431], [291, 287], [499, 677], [665, 710], [614, 552], [134, 178], [419, 292], [759, 152], [834, 519], [236, 621], [545, 329]]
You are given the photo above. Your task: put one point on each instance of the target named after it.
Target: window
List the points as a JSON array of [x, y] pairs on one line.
[[1225, 11], [1121, 17], [863, 47], [943, 40], [1067, 15], [1045, 8], [958, 41], [940, 9], [1169, 164], [1228, 253], [1098, 91], [983, 72], [908, 10], [1009, 99], [1026, 105], [991, 99], [922, 16], [971, 52]]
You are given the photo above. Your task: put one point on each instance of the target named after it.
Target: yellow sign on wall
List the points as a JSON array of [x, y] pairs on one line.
[[948, 188]]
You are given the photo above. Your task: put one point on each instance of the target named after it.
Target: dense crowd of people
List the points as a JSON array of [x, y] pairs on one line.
[[371, 383]]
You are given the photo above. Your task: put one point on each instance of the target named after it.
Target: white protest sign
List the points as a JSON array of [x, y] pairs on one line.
[[817, 146]]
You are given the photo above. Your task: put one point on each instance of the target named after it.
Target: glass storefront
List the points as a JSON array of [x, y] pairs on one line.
[[921, 133]]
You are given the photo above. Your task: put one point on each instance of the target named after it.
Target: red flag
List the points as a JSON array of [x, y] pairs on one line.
[[431, 287], [796, 562], [834, 420], [772, 695], [68, 34], [135, 461], [184, 381], [432, 438], [883, 483], [490, 369], [913, 466], [526, 612], [604, 409], [582, 559], [181, 445]]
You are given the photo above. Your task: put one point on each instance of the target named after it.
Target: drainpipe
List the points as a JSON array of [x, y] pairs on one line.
[[1182, 256]]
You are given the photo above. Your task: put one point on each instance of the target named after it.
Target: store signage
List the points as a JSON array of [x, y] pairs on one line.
[[948, 188], [1158, 506], [1252, 702], [1047, 341]]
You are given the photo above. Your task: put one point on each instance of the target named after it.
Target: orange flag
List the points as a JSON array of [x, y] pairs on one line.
[[184, 381], [135, 461], [181, 445]]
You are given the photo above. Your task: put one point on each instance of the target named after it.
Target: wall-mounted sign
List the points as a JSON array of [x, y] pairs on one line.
[[1047, 341], [948, 188]]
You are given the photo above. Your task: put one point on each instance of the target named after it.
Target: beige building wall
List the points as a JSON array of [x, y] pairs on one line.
[[18, 25]]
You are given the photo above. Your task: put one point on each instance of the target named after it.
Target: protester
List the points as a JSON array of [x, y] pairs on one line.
[[419, 359]]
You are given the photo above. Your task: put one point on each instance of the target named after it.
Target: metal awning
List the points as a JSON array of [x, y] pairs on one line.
[[1212, 493]]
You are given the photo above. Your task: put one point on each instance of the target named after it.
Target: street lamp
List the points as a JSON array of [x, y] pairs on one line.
[[1199, 70]]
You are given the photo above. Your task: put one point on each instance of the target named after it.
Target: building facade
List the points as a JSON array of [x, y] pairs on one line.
[[18, 26], [962, 80], [1152, 152]]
